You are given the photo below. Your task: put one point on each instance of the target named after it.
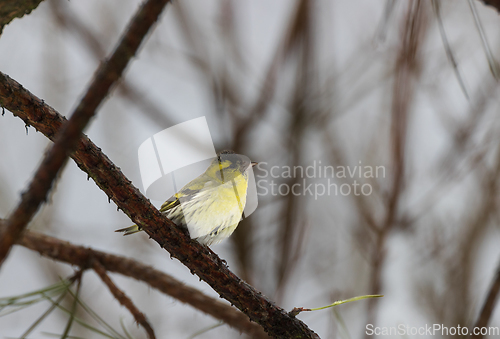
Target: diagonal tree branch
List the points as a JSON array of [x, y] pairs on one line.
[[199, 259], [11, 9], [493, 3], [81, 256], [107, 74], [127, 88]]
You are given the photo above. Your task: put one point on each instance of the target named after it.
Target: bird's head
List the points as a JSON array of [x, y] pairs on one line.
[[229, 165]]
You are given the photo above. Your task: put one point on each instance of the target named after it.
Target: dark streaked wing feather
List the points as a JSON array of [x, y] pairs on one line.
[[169, 204], [199, 184]]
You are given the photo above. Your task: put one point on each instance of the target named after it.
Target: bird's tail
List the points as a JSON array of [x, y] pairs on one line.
[[129, 230]]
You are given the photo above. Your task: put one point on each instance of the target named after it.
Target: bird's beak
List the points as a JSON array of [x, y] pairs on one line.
[[253, 164]]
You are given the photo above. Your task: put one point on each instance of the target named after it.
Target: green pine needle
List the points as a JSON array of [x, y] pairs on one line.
[[297, 310]]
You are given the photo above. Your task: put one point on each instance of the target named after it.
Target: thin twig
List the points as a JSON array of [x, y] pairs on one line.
[[244, 125], [484, 41], [488, 305], [449, 53], [299, 40], [407, 70], [107, 74], [123, 299], [199, 259], [127, 89]]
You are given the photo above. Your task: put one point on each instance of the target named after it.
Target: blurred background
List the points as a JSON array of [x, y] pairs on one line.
[[402, 97]]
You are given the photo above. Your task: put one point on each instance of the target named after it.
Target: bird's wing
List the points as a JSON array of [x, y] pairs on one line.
[[188, 192], [169, 204]]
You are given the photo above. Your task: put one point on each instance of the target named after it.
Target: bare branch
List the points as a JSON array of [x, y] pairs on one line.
[[493, 3], [199, 259], [67, 252], [123, 299], [11, 9], [107, 74], [407, 71], [127, 89]]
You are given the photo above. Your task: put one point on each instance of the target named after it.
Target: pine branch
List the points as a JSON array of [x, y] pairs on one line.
[[123, 299], [81, 256], [492, 3], [11, 9], [107, 74], [199, 259]]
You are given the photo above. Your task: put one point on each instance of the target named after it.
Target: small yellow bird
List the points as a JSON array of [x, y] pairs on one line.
[[211, 205]]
